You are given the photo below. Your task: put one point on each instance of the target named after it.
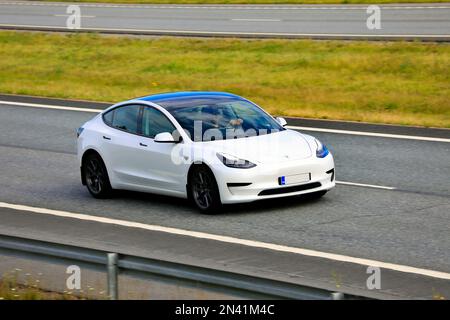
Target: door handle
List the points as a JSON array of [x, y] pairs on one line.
[[142, 144], [106, 138]]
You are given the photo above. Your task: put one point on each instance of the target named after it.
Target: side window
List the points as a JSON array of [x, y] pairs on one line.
[[126, 118], [154, 122], [108, 117]]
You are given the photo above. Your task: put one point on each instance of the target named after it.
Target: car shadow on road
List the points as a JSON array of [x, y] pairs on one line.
[[266, 205], [156, 199], [255, 207]]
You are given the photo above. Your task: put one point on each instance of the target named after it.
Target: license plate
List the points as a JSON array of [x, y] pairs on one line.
[[293, 179]]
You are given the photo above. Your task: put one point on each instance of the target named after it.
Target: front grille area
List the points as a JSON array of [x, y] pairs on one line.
[[301, 187]]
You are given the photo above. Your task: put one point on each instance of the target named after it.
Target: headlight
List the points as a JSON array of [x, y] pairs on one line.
[[322, 150], [234, 162]]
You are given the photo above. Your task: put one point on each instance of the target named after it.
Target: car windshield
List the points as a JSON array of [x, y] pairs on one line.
[[223, 119]]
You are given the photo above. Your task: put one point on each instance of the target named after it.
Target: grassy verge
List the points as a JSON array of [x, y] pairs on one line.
[[257, 1], [385, 82], [10, 289]]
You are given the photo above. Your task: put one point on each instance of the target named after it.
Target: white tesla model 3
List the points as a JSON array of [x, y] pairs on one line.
[[210, 147]]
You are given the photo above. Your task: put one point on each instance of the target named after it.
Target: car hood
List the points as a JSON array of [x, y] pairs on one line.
[[281, 146]]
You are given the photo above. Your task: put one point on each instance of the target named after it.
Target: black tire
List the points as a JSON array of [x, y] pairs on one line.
[[96, 177], [203, 190]]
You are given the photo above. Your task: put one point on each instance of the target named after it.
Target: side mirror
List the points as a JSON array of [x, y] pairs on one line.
[[281, 121], [164, 137]]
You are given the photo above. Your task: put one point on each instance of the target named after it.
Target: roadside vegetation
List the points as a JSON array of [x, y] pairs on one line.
[[10, 289], [256, 1], [385, 82]]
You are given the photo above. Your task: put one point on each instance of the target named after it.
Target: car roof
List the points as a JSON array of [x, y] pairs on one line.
[[175, 100]]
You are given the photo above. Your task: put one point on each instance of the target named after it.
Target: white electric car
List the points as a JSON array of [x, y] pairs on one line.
[[211, 147]]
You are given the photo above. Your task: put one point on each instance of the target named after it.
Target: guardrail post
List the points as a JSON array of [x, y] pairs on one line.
[[113, 285]]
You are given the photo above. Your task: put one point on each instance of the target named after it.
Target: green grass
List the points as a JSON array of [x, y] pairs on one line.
[[11, 289], [384, 82], [257, 1]]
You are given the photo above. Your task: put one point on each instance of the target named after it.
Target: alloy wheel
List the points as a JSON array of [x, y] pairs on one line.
[[203, 188], [94, 176]]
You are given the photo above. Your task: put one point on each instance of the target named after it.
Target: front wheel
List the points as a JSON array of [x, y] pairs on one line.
[[96, 177], [203, 190]]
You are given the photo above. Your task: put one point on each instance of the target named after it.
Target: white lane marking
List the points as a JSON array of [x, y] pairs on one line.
[[358, 133], [364, 185], [228, 7], [257, 20], [67, 15], [233, 33], [233, 240], [45, 106], [370, 134]]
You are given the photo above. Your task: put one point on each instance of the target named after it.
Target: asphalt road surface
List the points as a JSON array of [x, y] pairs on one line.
[[400, 214], [400, 21]]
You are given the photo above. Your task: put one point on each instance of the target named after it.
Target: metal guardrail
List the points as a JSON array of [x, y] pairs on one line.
[[240, 284]]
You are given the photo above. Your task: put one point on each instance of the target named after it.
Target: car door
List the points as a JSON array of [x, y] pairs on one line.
[[121, 143], [156, 165]]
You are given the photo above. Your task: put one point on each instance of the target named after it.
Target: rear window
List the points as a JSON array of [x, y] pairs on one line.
[[123, 118], [108, 117]]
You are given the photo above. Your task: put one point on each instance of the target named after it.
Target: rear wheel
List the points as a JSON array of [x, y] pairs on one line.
[[203, 190], [96, 176]]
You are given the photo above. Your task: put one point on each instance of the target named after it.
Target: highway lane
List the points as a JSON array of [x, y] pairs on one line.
[[416, 20], [392, 162], [292, 267], [39, 168]]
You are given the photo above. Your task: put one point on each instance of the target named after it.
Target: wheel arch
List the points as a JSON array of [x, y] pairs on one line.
[[191, 170]]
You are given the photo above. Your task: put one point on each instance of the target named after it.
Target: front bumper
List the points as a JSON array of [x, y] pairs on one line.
[[262, 181]]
